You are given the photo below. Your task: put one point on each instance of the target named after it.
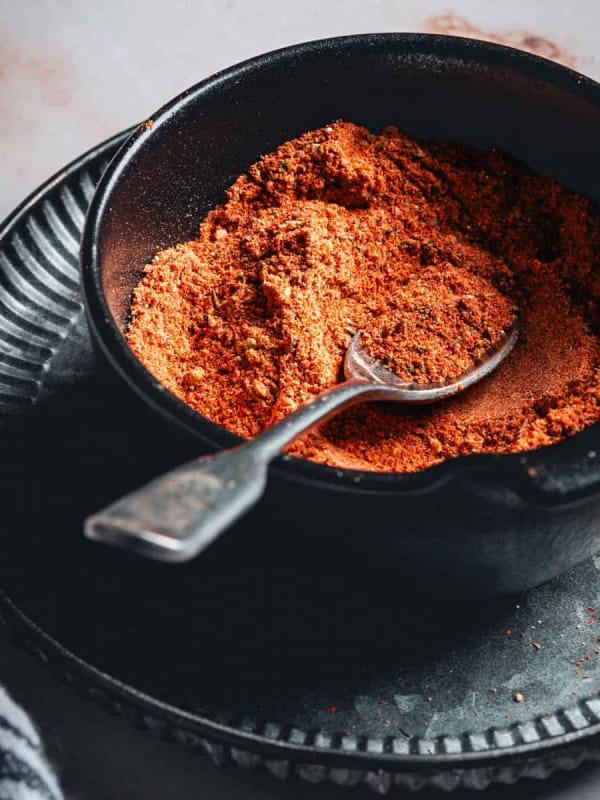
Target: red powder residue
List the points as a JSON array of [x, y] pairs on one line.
[[21, 72], [455, 25]]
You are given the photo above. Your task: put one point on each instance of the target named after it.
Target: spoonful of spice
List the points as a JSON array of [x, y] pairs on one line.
[[444, 332]]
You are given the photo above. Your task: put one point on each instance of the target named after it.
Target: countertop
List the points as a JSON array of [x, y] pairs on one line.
[[71, 75]]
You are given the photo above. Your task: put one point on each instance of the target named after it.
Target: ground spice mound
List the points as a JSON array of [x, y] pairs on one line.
[[426, 248]]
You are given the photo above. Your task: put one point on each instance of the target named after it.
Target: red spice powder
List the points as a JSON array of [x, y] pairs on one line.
[[426, 248]]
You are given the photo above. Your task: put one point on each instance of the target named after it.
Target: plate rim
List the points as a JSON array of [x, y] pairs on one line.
[[297, 753]]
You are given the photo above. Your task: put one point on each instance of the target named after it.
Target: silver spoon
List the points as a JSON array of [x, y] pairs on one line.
[[177, 516]]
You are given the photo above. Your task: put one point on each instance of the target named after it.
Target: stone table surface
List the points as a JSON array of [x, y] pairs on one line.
[[74, 73]]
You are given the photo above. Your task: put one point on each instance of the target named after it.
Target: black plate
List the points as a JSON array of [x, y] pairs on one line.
[[258, 653]]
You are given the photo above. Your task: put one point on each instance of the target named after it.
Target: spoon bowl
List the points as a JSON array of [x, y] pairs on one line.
[[358, 364]]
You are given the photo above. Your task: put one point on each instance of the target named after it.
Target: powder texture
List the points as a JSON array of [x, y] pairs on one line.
[[439, 324], [426, 248]]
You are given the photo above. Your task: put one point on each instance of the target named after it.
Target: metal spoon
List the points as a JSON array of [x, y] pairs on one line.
[[176, 516]]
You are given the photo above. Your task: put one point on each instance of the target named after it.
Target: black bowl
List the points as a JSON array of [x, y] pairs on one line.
[[486, 523]]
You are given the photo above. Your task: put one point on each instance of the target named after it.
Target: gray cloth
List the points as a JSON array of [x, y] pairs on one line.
[[24, 771]]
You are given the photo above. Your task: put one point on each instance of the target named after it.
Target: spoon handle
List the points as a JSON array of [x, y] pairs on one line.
[[176, 516]]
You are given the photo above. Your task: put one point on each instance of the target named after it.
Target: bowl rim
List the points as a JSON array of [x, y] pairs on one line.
[[531, 474]]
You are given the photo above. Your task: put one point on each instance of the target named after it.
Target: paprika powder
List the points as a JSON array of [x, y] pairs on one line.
[[427, 248]]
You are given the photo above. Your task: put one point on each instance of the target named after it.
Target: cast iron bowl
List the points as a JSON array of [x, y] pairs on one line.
[[484, 523]]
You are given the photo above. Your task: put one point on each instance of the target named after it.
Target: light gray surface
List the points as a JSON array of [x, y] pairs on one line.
[[73, 73]]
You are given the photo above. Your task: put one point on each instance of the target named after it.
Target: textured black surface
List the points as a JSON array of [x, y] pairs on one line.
[[292, 653]]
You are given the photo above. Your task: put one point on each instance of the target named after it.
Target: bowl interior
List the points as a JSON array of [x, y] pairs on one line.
[[431, 87]]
